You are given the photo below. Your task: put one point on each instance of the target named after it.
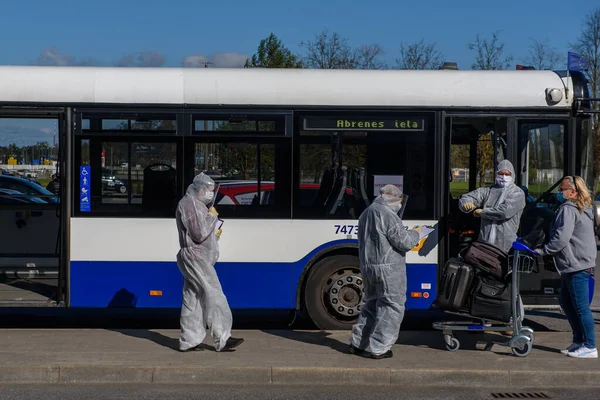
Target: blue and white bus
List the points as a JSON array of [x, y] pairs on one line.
[[299, 154]]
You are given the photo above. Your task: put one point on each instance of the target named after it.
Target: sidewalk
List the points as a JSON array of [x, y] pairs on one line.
[[283, 357]]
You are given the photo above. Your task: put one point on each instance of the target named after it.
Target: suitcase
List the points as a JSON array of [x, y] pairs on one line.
[[455, 285], [491, 299]]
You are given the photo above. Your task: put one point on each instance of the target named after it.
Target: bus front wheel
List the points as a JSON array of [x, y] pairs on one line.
[[333, 292]]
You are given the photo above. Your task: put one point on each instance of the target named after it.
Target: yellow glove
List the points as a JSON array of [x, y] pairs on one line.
[[218, 233], [477, 213], [213, 211], [468, 207]]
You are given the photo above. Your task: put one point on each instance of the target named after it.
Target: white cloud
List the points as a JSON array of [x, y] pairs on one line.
[[142, 59], [218, 60], [52, 57], [229, 60], [195, 61]]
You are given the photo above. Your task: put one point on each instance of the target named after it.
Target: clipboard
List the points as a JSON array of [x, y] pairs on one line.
[[425, 231]]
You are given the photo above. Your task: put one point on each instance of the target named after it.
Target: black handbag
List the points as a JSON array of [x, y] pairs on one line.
[[488, 259], [491, 299]]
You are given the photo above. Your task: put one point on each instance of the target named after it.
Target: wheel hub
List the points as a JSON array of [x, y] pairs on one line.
[[344, 294]]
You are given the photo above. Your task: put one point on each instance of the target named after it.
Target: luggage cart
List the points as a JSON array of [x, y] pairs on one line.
[[521, 341]]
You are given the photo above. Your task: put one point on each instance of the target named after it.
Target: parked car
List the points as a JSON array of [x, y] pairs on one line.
[[111, 183], [9, 196], [27, 187]]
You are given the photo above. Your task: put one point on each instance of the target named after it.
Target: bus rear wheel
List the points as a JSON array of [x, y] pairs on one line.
[[333, 292]]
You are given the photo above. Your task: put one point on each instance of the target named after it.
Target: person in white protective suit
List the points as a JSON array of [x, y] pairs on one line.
[[383, 242], [204, 303], [499, 207]]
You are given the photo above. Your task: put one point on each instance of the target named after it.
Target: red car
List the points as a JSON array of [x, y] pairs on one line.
[[244, 192]]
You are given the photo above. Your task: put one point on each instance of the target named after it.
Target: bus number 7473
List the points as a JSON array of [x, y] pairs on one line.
[[346, 229]]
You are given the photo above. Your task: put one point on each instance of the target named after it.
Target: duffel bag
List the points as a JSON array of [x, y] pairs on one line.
[[488, 258], [491, 299]]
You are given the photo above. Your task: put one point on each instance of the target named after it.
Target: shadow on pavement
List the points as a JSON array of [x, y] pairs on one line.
[[158, 338], [320, 338], [431, 340]]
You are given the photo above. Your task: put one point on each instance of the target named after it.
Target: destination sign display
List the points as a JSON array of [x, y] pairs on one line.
[[362, 124]]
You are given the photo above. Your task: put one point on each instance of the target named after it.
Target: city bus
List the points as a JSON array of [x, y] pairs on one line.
[[298, 155]]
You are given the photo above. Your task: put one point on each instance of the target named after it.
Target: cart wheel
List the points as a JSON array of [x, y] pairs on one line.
[[523, 352], [530, 336], [453, 345]]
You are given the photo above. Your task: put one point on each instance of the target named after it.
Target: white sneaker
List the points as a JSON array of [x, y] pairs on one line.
[[583, 352], [572, 347]]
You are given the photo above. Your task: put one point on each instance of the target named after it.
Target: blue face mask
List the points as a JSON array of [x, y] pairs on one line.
[[561, 197]]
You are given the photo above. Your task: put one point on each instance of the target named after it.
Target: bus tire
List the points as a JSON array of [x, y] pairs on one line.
[[333, 292]]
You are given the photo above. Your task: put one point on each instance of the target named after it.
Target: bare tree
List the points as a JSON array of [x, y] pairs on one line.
[[489, 53], [332, 51], [419, 55], [329, 52], [588, 45], [542, 55], [368, 57]]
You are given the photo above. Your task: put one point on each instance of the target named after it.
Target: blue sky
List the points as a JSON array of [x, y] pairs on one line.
[[111, 31]]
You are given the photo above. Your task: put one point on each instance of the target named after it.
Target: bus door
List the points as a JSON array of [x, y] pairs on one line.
[[126, 167], [477, 144], [543, 149], [30, 201]]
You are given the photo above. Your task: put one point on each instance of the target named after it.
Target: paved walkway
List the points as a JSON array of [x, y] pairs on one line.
[[283, 357]]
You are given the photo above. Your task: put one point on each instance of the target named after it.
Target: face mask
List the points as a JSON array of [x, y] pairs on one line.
[[209, 196], [396, 207], [560, 196], [503, 180]]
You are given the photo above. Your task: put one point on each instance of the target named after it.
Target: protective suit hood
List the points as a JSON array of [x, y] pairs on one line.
[[504, 181], [202, 188], [391, 196]]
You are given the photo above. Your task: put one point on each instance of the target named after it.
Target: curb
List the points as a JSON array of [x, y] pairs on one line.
[[94, 374]]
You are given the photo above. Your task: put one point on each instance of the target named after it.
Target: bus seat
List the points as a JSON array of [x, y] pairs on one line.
[[159, 194]]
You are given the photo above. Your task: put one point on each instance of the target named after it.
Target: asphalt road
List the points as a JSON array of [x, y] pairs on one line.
[[161, 392]]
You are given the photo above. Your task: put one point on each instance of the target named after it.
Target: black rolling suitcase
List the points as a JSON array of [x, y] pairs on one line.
[[455, 285]]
